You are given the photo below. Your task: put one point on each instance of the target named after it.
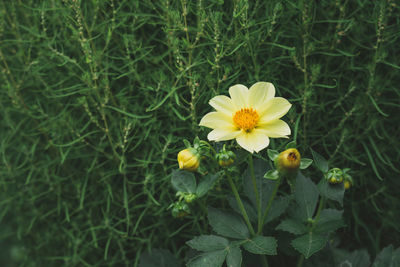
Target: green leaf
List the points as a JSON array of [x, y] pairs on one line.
[[292, 226], [272, 175], [264, 186], [183, 181], [305, 163], [187, 143], [320, 162], [291, 144], [251, 212], [227, 224], [279, 205], [309, 244], [272, 154], [306, 195], [207, 243], [209, 259], [206, 184], [357, 258], [158, 258], [265, 245], [330, 220], [234, 257], [388, 257], [332, 191]]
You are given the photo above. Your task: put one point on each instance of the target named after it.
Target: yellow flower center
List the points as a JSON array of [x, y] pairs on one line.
[[246, 119]]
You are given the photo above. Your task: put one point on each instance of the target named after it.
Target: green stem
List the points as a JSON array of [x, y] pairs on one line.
[[271, 199], [253, 178], [240, 203], [315, 221], [301, 260], [264, 260], [320, 207]]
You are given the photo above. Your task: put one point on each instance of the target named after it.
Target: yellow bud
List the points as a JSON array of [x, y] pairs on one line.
[[288, 162], [347, 185], [188, 159], [225, 162], [333, 180]]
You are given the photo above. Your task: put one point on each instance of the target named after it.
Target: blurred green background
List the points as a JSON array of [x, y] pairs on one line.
[[97, 96]]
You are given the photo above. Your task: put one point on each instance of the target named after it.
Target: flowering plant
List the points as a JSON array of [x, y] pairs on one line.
[[251, 117]]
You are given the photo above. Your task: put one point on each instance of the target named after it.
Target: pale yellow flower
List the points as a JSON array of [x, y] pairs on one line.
[[250, 116]]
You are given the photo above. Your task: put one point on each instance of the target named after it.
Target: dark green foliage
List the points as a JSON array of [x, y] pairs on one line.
[[264, 245], [97, 96]]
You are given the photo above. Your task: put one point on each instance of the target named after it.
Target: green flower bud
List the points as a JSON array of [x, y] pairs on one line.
[[189, 197], [288, 162], [180, 209], [189, 159], [225, 158], [334, 176]]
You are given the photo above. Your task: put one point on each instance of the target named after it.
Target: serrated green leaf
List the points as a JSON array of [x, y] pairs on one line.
[[183, 181], [306, 195], [278, 207], [206, 184], [264, 245], [251, 212], [309, 244], [207, 243], [357, 258], [209, 259], [272, 154], [292, 226], [234, 257], [388, 257], [320, 161], [272, 175], [331, 191], [305, 163], [329, 221], [227, 224]]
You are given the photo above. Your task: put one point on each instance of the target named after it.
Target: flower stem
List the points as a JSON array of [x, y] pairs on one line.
[[320, 207], [240, 203], [271, 199], [300, 261], [264, 260], [258, 201]]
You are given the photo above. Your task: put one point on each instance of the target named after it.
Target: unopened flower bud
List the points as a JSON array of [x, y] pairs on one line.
[[180, 209], [347, 185], [188, 159], [225, 158], [288, 162], [190, 197], [334, 176]]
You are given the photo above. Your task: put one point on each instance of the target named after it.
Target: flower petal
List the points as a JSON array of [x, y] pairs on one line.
[[275, 129], [274, 109], [223, 134], [239, 95], [223, 104], [216, 120], [259, 93], [253, 141]]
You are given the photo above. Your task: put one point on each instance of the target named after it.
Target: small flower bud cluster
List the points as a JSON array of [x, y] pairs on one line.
[[225, 157], [337, 176]]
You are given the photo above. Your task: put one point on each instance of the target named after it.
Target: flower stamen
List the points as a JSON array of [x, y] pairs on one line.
[[246, 119]]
